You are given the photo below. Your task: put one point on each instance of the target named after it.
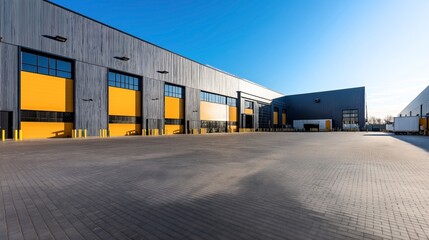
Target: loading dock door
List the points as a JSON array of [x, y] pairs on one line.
[[248, 121], [6, 120]]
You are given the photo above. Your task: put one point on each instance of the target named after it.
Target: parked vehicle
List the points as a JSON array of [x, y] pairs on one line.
[[406, 125], [389, 127]]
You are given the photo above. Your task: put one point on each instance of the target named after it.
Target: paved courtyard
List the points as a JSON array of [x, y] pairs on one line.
[[239, 186]]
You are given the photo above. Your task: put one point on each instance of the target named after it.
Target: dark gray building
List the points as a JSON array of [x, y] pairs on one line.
[[419, 106], [346, 107]]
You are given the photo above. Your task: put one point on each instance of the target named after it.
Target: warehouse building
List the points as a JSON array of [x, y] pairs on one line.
[[343, 109], [419, 107], [61, 71]]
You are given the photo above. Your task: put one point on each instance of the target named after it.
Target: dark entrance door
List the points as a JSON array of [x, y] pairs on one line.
[[249, 121], [6, 120]]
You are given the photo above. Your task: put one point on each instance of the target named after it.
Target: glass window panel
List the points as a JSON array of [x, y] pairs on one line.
[[64, 66], [42, 62], [52, 63], [111, 76], [29, 68], [42, 70], [63, 74], [29, 58], [52, 72]]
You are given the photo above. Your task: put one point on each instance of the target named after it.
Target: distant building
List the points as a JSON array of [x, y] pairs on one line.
[[346, 107]]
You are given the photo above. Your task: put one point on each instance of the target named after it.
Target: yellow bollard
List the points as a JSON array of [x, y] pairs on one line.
[[101, 133], [3, 135], [84, 133], [79, 133], [15, 135], [20, 135], [73, 133], [107, 133]]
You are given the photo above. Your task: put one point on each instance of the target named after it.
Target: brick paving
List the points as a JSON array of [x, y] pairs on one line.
[[240, 186]]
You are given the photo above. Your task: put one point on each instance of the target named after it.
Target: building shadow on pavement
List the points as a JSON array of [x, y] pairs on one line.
[[377, 135], [418, 141], [259, 209]]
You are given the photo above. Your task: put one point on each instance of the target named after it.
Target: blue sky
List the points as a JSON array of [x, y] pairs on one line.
[[293, 46]]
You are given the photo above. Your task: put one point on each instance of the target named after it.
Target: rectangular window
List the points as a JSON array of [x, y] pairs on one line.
[[214, 98], [122, 80], [47, 65], [248, 105], [173, 91], [264, 115], [232, 102], [350, 119], [46, 116], [124, 119], [169, 121], [214, 126]]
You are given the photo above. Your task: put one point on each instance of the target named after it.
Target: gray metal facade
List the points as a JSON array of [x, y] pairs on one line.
[[330, 105], [93, 46], [419, 106]]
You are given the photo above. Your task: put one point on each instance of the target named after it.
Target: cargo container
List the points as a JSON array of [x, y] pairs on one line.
[[406, 125], [389, 128]]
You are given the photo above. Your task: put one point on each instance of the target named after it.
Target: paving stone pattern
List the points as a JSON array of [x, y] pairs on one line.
[[218, 186]]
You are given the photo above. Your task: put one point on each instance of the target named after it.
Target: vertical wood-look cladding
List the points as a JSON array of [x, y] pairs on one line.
[[192, 109], [9, 80], [91, 83], [153, 104], [421, 102], [27, 22], [94, 46]]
